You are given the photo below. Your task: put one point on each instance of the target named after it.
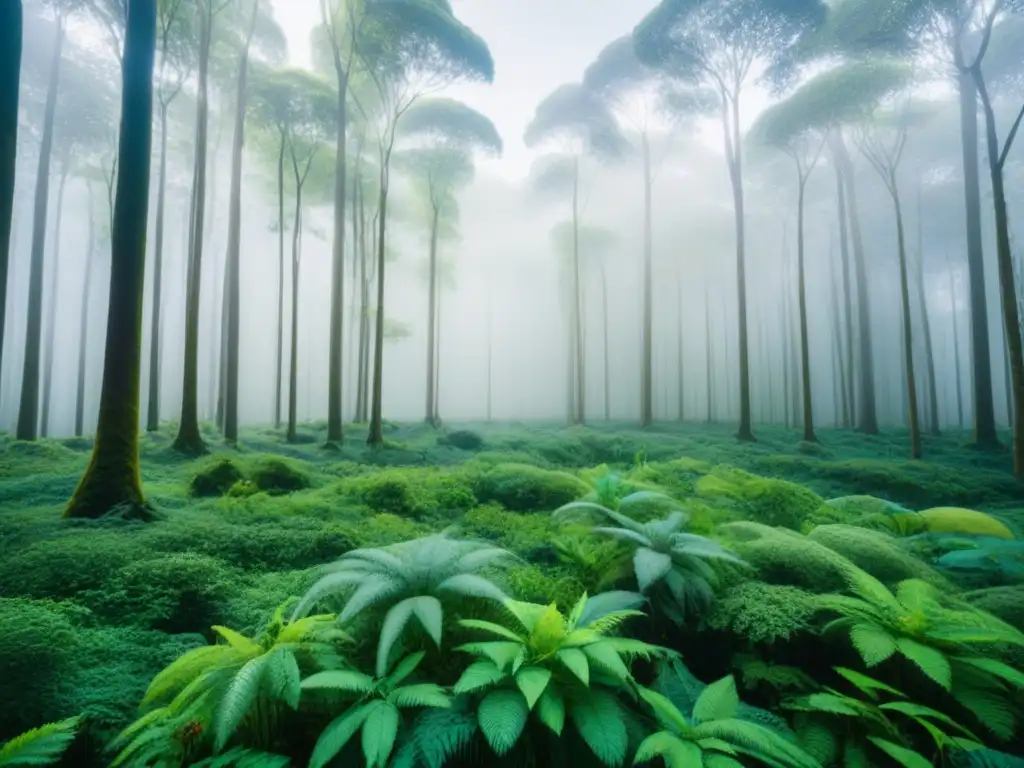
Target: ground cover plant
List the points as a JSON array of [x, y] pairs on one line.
[[550, 596]]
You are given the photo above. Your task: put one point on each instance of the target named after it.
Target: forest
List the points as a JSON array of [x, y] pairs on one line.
[[448, 384]]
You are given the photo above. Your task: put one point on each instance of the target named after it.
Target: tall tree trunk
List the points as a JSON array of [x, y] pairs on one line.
[[849, 380], [364, 329], [908, 339], [293, 362], [437, 364], [51, 325], [985, 434], [83, 322], [842, 394], [1004, 252], [334, 376], [375, 437], [867, 414], [956, 349], [279, 357], [708, 354], [646, 368], [929, 350], [111, 483], [579, 416], [805, 354], [679, 352], [10, 83], [431, 418], [604, 324], [232, 266], [28, 411], [153, 407], [189, 440]]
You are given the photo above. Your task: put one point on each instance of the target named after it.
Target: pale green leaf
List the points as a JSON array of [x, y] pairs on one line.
[[340, 679], [380, 728], [650, 567], [502, 716], [873, 643], [479, 674], [337, 734], [676, 752], [576, 662], [719, 701], [551, 709], [599, 720], [908, 758], [929, 660], [532, 681]]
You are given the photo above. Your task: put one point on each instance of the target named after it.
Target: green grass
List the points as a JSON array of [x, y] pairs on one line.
[[91, 610]]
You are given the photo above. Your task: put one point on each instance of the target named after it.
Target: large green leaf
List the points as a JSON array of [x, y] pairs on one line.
[[599, 720], [603, 656], [238, 699], [494, 629], [379, 731], [576, 662], [479, 674], [501, 653], [420, 695], [908, 758], [664, 710], [676, 752], [502, 716], [40, 746], [929, 660], [471, 585], [394, 623], [340, 679], [337, 734], [650, 567], [719, 701], [532, 681], [551, 709], [873, 643]]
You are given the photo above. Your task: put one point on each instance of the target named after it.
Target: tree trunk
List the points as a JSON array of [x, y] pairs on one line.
[[805, 354], [843, 417], [432, 317], [51, 325], [1007, 283], [28, 411], [490, 346], [956, 351], [708, 353], [334, 415], [849, 384], [153, 406], [10, 83], [646, 375], [111, 483], [867, 414], [926, 328], [604, 322], [579, 416], [293, 362], [908, 339], [985, 434], [679, 352], [375, 437], [437, 364], [189, 440], [279, 358], [232, 266], [364, 330], [83, 323]]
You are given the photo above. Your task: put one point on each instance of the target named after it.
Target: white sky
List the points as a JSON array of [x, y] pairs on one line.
[[537, 45]]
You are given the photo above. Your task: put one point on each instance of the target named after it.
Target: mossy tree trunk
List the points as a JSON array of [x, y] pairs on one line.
[[28, 410], [83, 322], [111, 482], [10, 80], [46, 396]]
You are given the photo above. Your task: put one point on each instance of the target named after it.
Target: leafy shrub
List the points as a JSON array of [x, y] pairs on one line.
[[1006, 603], [215, 477], [463, 439], [524, 488], [764, 500], [530, 584], [524, 534], [763, 613], [875, 552], [274, 476], [385, 529]]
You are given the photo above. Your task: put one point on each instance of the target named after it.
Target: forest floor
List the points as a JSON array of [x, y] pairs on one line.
[[90, 611]]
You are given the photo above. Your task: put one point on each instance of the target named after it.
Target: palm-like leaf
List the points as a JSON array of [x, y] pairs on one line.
[[40, 746]]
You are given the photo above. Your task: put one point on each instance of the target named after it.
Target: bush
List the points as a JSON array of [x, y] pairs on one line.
[[877, 553], [416, 493], [1006, 603], [764, 500], [278, 476], [463, 439], [77, 560], [531, 584], [787, 558], [215, 478], [523, 488], [763, 613], [524, 534]]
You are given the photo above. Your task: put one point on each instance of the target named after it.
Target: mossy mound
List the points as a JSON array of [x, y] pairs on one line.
[[763, 613], [523, 488], [764, 500], [275, 476], [463, 439], [786, 558], [1006, 603], [853, 507], [877, 553], [961, 520], [416, 493], [215, 477]]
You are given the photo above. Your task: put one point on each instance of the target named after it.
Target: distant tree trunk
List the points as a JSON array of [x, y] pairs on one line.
[[679, 352], [352, 363], [929, 350], [293, 363], [646, 369], [867, 414], [437, 364], [219, 342], [28, 411], [10, 83], [604, 326], [985, 434], [579, 415], [111, 483], [153, 405], [708, 353], [805, 353], [51, 325], [842, 393], [376, 434], [956, 349], [490, 345], [849, 386], [83, 322], [908, 339], [189, 440], [279, 357], [232, 265], [431, 417]]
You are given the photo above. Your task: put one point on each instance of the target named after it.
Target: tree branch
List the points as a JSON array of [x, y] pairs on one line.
[[1011, 136]]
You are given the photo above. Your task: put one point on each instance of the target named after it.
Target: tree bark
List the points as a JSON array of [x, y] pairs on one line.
[[153, 406], [646, 369], [926, 328], [956, 350], [28, 411], [842, 393], [293, 363], [51, 325], [849, 380], [431, 417], [334, 413], [189, 440], [10, 82], [83, 323], [279, 358], [805, 354], [908, 339], [375, 438], [111, 483]]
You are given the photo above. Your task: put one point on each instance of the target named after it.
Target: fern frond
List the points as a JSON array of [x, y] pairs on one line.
[[421, 695], [929, 660], [598, 718], [187, 667], [436, 737], [238, 700], [502, 716], [719, 701], [40, 746], [873, 643]]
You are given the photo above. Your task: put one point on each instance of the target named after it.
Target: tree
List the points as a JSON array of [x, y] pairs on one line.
[[638, 96], [784, 126], [409, 48], [578, 123], [442, 164], [10, 82], [111, 483], [718, 44]]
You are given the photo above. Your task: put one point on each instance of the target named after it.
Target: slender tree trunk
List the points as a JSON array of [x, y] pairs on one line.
[[929, 350], [577, 310], [679, 352], [849, 385], [83, 322], [437, 364], [956, 350], [604, 323], [708, 354], [232, 266], [376, 434], [908, 339], [867, 414], [111, 483], [334, 376], [1007, 283], [432, 316], [351, 361], [51, 325], [490, 349], [10, 82], [153, 406], [279, 358], [805, 354], [189, 440], [28, 412], [293, 363], [985, 434], [364, 329], [842, 394], [646, 377]]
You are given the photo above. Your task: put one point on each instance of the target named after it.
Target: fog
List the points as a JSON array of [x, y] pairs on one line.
[[504, 328]]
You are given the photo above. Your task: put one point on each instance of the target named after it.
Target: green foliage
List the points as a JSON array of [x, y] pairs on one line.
[[410, 493], [463, 439], [574, 114], [877, 553], [65, 566], [377, 710], [215, 477], [523, 488], [528, 535], [410, 580], [1006, 603], [451, 123], [273, 475], [763, 613], [672, 566], [764, 500], [785, 557], [40, 746], [960, 520]]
